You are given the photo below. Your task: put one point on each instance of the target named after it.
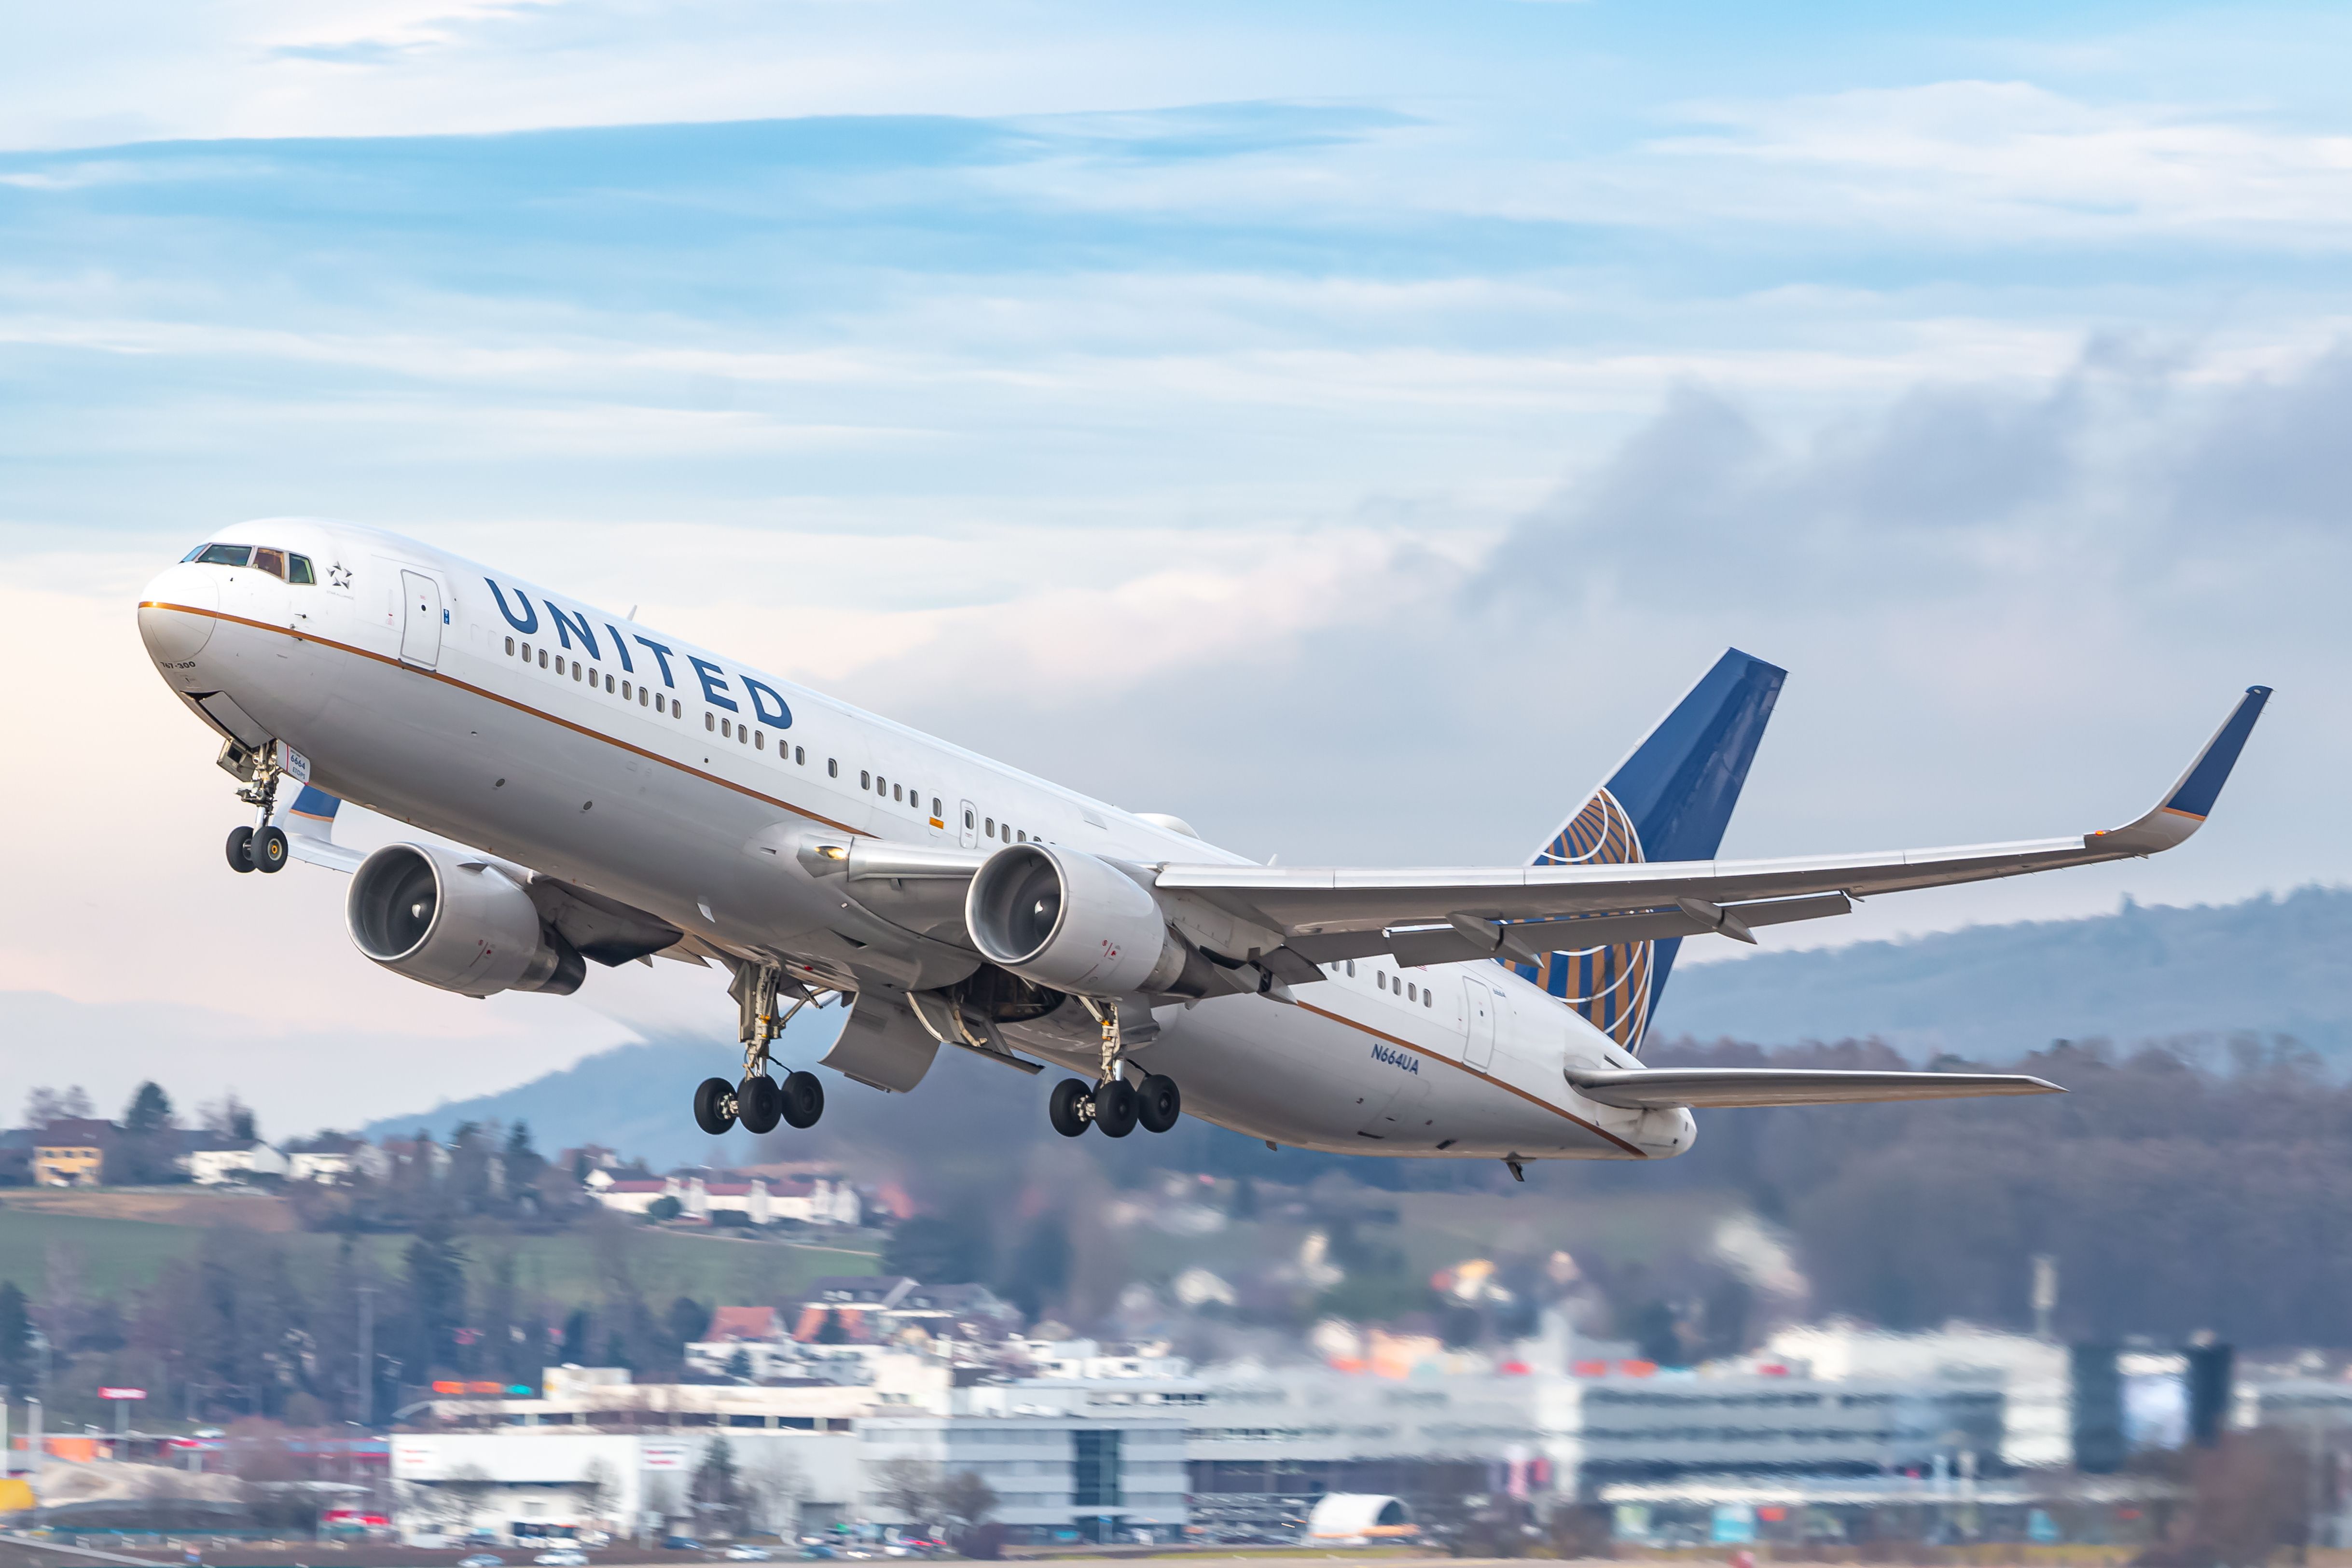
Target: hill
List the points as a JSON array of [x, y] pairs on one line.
[[2267, 966]]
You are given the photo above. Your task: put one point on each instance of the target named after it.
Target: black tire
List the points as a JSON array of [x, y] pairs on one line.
[[1158, 1103], [759, 1103], [1067, 1109], [270, 849], [240, 849], [1114, 1107], [804, 1098], [714, 1106]]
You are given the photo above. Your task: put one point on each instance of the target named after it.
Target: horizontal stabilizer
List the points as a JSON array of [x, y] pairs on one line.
[[1658, 1088]]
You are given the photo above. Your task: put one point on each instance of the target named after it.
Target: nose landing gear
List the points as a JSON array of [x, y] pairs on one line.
[[262, 848], [759, 1101]]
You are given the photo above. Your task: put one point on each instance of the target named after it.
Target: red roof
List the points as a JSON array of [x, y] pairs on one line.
[[638, 1187], [743, 1323]]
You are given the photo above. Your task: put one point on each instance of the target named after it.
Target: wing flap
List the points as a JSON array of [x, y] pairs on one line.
[[1698, 1089]]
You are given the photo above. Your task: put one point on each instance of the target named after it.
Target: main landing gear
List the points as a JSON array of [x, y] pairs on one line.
[[759, 1101], [262, 848], [1110, 1102]]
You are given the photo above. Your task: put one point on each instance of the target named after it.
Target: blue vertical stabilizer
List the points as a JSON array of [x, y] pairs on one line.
[[1669, 800]]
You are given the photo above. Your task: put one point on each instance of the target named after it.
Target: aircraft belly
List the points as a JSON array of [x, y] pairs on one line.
[[1301, 1077]]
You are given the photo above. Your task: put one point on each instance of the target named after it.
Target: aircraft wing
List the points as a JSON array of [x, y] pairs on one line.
[[1451, 914], [1651, 1088]]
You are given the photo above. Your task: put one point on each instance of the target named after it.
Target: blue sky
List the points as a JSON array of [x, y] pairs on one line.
[[1346, 426]]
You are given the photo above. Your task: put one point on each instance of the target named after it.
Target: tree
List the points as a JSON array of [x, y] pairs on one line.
[[231, 1118], [739, 1365], [437, 1295], [45, 1105], [16, 1338], [596, 1488], [938, 1251], [964, 1501], [147, 1148], [665, 1208], [772, 1490], [908, 1487], [718, 1491], [149, 1110], [687, 1320]]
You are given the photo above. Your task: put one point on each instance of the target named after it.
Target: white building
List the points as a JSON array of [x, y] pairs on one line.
[[225, 1160], [332, 1159], [2032, 1374]]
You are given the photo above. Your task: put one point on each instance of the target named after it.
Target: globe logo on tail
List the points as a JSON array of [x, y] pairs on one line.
[[1610, 986]]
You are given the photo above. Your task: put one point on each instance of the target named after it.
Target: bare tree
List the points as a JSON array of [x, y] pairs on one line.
[[964, 1501], [908, 1486], [595, 1490], [773, 1488]]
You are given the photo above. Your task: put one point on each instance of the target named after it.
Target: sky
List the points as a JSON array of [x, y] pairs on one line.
[[1346, 426]]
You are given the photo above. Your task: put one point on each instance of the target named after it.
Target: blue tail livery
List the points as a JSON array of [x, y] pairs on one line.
[[1669, 800]]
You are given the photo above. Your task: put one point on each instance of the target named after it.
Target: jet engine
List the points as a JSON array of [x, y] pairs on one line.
[[1064, 919], [455, 922]]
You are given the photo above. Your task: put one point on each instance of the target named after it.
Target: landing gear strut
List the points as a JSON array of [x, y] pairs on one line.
[[759, 1101], [261, 848], [1110, 1102]]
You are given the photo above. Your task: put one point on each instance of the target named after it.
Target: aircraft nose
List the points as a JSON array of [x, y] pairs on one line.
[[175, 613]]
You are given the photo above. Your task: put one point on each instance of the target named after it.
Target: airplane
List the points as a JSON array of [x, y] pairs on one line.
[[622, 794]]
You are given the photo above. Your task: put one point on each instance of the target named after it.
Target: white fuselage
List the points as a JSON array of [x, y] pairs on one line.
[[662, 774]]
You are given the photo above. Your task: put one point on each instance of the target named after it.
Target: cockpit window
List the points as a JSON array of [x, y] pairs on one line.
[[226, 555], [298, 570], [270, 561]]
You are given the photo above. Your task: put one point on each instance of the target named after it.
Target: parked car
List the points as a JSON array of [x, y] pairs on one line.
[[481, 1560], [562, 1557], [744, 1552], [680, 1544]]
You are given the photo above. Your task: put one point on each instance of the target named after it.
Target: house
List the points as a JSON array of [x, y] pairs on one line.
[[815, 1200], [71, 1152], [752, 1323], [877, 1310], [633, 1196], [213, 1160], [408, 1152], [332, 1159]]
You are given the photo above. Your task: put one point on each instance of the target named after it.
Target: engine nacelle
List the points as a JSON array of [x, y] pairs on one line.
[[454, 923], [1064, 919]]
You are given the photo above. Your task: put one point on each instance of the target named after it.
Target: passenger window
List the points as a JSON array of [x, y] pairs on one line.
[[936, 810], [864, 779], [895, 793], [833, 767], [298, 571], [608, 686], [625, 692], [509, 647], [1429, 998], [542, 659], [575, 669], [991, 827], [799, 756], [227, 555], [759, 740], [709, 720], [1412, 992], [1351, 969], [1024, 836], [742, 736], [967, 819]]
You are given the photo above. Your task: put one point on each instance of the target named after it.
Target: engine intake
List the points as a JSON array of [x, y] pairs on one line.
[[458, 923], [1064, 919]]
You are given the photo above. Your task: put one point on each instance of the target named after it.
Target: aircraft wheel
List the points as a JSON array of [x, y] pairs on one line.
[[804, 1098], [759, 1103], [1067, 1109], [714, 1106], [269, 849], [1157, 1104], [1114, 1107], [240, 849]]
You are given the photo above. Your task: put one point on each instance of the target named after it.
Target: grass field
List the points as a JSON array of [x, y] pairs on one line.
[[108, 1253]]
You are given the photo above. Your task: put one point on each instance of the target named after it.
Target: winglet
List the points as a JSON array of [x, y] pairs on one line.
[[2189, 802]]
